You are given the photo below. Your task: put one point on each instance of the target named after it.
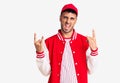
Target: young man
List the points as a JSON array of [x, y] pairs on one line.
[[63, 55]]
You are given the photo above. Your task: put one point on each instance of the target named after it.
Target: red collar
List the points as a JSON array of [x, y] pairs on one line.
[[60, 36]]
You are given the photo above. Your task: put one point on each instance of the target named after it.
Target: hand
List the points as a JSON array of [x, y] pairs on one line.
[[92, 41], [38, 44]]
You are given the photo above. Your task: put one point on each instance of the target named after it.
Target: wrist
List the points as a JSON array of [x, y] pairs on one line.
[[40, 54], [94, 50]]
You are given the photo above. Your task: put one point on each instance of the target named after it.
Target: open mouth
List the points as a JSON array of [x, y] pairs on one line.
[[67, 26]]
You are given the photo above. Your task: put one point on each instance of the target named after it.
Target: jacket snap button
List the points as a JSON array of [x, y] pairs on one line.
[[59, 63], [78, 74], [76, 63], [73, 51], [61, 52], [58, 75]]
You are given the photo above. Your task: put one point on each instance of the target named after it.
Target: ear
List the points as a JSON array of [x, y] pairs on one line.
[[76, 19], [60, 18]]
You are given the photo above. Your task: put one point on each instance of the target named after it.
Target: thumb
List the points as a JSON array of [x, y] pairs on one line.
[[87, 37], [42, 38]]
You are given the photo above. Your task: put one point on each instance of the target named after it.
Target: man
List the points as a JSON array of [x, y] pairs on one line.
[[63, 55]]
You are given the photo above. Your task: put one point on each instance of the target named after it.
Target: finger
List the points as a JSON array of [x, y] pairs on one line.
[[34, 37], [88, 38], [42, 38], [93, 33]]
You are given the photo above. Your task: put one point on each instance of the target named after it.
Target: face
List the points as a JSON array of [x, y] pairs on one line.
[[68, 21]]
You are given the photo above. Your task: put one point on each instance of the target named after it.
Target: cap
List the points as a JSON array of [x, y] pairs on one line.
[[70, 6]]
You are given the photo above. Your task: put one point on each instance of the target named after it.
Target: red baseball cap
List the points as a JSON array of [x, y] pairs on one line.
[[70, 6]]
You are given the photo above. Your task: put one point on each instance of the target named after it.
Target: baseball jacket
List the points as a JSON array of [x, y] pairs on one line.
[[55, 45]]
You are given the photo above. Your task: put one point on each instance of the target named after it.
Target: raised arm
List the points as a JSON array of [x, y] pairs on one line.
[[92, 60], [42, 56]]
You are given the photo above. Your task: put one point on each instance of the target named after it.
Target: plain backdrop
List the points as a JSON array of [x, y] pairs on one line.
[[19, 19]]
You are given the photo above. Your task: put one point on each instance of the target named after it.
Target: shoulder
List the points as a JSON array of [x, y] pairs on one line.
[[51, 38], [81, 36], [84, 40]]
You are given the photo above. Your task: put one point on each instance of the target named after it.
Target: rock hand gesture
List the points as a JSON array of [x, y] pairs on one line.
[[38, 44], [92, 41]]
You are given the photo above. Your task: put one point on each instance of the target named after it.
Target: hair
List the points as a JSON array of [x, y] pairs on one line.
[[69, 11]]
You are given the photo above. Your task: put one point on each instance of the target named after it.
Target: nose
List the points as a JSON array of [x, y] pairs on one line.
[[68, 21]]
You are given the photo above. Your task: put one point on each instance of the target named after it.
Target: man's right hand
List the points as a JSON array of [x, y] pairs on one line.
[[38, 44]]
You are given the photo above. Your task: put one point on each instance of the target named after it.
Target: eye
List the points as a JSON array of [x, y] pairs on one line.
[[72, 18], [65, 17]]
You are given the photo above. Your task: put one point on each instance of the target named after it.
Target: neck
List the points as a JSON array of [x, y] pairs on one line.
[[67, 35]]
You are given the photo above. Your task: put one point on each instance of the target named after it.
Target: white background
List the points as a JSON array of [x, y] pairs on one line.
[[19, 19]]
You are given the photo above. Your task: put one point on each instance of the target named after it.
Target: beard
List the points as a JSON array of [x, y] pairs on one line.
[[67, 30]]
